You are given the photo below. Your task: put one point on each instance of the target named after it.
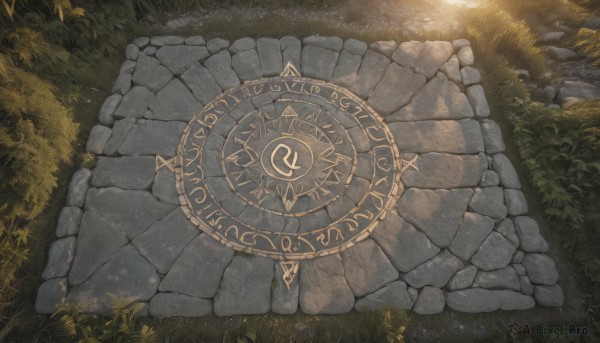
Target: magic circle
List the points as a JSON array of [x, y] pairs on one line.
[[288, 168]]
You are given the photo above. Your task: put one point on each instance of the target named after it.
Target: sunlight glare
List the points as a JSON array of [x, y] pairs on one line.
[[464, 3]]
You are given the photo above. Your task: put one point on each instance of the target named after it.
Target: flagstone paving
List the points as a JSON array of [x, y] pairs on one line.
[[289, 175]]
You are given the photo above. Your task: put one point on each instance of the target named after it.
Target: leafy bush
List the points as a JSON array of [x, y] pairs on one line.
[[589, 43], [36, 133], [122, 326], [562, 152], [13, 253]]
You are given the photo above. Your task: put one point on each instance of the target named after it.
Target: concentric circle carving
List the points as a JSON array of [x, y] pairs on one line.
[[288, 168]]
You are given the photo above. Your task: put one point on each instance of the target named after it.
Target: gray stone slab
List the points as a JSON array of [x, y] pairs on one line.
[[451, 70], [435, 272], [430, 301], [489, 179], [150, 74], [137, 281], [455, 137], [495, 252], [540, 269], [530, 239], [198, 270], [518, 256], [105, 115], [179, 305], [291, 50], [506, 171], [141, 41], [372, 69], [219, 66], [247, 65], [473, 300], [355, 47], [511, 300], [476, 96], [346, 69], [386, 48], [526, 285], [472, 231], [515, 202], [135, 103], [163, 187], [97, 139], [131, 172], [436, 213], [439, 99], [406, 246], [489, 202], [340, 207], [366, 268], [505, 278], [131, 51], [174, 102], [323, 289], [269, 54], [394, 295], [444, 171], [50, 294], [98, 240], [462, 279], [195, 40], [284, 300], [424, 58], [551, 296], [492, 137], [396, 88], [318, 63], [465, 56], [470, 76], [69, 220], [119, 133], [150, 50], [127, 67], [201, 82], [122, 84], [60, 258], [179, 58], [166, 40], [217, 44], [507, 229], [246, 287], [133, 211], [332, 43], [152, 137], [242, 44], [164, 241], [78, 187]]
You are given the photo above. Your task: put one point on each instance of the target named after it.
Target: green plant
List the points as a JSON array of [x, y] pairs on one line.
[[14, 252], [588, 41], [122, 326], [36, 133]]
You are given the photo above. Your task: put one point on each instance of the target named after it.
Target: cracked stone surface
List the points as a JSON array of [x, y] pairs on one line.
[[387, 185]]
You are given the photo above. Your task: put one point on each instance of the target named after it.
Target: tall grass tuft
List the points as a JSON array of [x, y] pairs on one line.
[[494, 32]]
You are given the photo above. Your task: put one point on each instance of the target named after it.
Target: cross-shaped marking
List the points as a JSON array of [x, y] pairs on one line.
[[410, 164], [161, 162]]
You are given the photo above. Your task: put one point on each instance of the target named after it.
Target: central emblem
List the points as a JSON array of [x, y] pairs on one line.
[[287, 167]]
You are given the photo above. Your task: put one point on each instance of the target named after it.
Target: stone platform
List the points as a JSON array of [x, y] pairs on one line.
[[283, 175]]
